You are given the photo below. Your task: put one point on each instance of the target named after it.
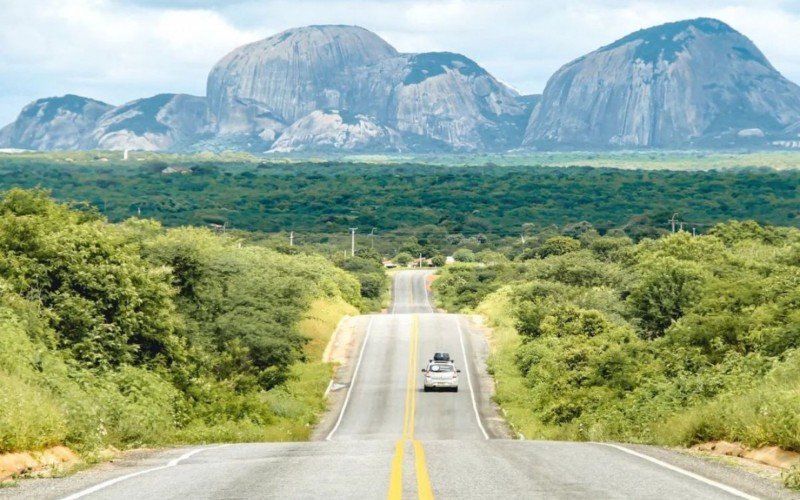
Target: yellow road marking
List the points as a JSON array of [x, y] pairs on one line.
[[396, 479], [424, 490]]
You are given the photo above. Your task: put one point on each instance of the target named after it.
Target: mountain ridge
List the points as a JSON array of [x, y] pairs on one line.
[[695, 83]]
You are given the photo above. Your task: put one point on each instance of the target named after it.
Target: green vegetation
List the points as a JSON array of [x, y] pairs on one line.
[[674, 340], [415, 207], [127, 335]]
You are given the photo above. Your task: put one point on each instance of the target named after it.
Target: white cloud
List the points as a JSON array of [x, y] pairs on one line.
[[117, 50], [109, 51]]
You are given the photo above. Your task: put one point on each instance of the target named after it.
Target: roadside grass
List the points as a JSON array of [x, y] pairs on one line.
[[791, 478], [294, 406], [46, 406], [766, 414], [510, 390]]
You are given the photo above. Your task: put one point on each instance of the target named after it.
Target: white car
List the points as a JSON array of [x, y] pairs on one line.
[[442, 375]]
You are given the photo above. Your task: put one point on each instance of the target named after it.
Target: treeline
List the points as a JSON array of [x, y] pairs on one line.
[[414, 207], [128, 334], [674, 340]]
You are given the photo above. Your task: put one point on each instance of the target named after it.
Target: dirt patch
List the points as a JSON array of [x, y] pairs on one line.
[[37, 463], [429, 279], [769, 455], [340, 346]]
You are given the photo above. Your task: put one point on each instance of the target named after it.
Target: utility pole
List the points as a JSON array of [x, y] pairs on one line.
[[291, 238], [673, 220], [694, 231], [353, 241], [372, 238], [522, 237], [681, 228]]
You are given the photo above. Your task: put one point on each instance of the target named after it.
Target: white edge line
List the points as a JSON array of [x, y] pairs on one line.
[[425, 288], [352, 381], [106, 484], [393, 298], [469, 379], [723, 487]]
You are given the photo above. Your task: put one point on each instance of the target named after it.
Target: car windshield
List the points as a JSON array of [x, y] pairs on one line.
[[441, 368]]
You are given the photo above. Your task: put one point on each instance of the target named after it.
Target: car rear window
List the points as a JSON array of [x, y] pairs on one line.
[[441, 368]]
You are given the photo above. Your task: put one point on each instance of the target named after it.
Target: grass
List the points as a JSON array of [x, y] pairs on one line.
[[791, 478], [767, 414], [297, 404], [648, 160], [510, 389], [38, 410]]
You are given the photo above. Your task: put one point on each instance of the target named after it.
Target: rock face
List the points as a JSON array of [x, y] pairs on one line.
[[439, 99], [291, 74], [161, 122], [54, 123], [448, 97], [689, 84], [685, 84], [330, 130]]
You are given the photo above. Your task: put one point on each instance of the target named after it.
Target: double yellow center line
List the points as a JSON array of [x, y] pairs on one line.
[[424, 490]]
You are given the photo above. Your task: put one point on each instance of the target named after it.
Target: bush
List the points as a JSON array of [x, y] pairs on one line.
[[672, 341], [665, 292], [791, 477], [403, 258], [464, 255], [131, 335]]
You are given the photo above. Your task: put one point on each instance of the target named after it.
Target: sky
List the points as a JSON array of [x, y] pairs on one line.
[[120, 50]]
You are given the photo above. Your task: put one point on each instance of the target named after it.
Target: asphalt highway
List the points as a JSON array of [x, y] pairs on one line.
[[386, 438]]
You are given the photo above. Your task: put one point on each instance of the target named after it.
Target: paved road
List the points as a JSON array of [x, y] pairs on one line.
[[392, 440]]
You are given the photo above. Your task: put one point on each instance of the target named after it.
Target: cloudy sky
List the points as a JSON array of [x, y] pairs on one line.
[[119, 50]]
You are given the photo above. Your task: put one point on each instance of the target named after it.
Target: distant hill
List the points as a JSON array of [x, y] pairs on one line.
[[690, 84], [695, 84]]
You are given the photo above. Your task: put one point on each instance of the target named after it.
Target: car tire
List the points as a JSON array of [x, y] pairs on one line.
[[426, 389], [455, 389]]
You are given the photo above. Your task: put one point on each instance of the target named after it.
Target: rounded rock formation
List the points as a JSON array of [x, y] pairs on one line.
[[290, 74]]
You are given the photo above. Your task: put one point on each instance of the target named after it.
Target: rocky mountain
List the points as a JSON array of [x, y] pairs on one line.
[[690, 84], [53, 123], [449, 98], [446, 99], [696, 83], [291, 74], [331, 130], [161, 122]]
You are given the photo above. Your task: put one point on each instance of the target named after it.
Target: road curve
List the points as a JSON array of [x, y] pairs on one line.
[[390, 440]]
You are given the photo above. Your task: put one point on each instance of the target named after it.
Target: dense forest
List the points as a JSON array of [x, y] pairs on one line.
[[413, 207], [130, 334], [674, 340]]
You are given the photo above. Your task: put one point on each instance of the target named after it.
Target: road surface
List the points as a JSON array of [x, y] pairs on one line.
[[387, 438]]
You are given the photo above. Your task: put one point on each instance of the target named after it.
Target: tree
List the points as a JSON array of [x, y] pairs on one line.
[[108, 306], [403, 258], [438, 261], [558, 245], [464, 255], [667, 289]]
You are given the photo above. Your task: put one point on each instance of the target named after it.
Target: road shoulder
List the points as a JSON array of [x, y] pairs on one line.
[[344, 349], [125, 463], [725, 472]]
